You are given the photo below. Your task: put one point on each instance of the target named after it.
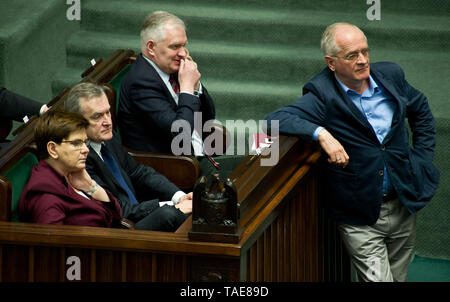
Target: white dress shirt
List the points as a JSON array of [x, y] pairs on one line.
[[197, 142]]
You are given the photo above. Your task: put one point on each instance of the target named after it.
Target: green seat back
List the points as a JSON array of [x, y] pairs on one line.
[[18, 176], [116, 82]]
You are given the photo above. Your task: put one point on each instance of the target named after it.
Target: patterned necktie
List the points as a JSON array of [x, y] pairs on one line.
[[196, 140], [112, 165], [173, 82]]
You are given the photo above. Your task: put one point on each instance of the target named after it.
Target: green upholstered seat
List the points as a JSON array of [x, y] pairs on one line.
[[18, 176], [117, 81]]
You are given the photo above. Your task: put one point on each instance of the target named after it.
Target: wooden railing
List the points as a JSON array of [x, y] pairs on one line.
[[282, 237]]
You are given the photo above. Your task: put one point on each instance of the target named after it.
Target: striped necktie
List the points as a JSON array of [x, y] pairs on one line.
[[174, 83]]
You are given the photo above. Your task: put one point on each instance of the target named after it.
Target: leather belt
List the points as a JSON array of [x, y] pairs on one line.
[[389, 196]]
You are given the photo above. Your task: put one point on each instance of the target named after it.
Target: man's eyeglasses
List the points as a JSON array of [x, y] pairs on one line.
[[353, 56], [78, 143]]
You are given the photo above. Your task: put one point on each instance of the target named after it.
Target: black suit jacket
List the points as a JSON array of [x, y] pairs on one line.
[[147, 109], [14, 106], [148, 185], [353, 194]]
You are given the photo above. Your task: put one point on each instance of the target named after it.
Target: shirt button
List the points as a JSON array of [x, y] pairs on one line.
[[383, 147], [381, 172]]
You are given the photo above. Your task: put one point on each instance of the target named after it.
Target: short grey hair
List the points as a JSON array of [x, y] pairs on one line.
[[328, 41], [81, 91], [154, 25]]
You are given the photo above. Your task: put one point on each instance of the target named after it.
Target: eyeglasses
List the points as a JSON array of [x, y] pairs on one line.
[[78, 143], [353, 56]]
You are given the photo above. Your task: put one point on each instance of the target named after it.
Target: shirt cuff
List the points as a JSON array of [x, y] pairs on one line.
[[196, 92], [316, 133], [200, 90], [176, 196]]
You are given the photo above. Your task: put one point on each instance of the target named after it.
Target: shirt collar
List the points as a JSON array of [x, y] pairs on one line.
[[164, 76], [96, 147], [373, 87]]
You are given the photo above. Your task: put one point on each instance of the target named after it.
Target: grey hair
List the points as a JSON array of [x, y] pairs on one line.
[[153, 26], [79, 92], [328, 41]]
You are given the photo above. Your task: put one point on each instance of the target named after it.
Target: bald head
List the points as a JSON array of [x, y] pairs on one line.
[[338, 33]]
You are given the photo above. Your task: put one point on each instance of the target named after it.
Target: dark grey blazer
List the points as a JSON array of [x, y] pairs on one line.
[[149, 186], [147, 109]]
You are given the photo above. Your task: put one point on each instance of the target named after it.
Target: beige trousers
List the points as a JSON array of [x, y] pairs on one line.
[[383, 251]]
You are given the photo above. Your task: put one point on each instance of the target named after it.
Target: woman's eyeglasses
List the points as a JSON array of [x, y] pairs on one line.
[[78, 143]]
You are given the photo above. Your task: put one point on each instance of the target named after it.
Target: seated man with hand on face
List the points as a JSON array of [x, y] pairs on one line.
[[138, 188], [162, 87]]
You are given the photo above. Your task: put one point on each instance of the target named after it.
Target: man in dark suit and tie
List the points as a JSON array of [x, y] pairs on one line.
[[374, 181], [163, 86], [147, 198]]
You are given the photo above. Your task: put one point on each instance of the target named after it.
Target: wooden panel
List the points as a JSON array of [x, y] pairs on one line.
[[15, 268], [141, 267], [48, 263], [108, 266], [209, 269], [285, 237], [289, 249]]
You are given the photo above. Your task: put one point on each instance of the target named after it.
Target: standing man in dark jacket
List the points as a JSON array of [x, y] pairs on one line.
[[375, 182]]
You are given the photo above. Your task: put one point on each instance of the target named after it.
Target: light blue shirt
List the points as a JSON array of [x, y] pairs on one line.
[[378, 107]]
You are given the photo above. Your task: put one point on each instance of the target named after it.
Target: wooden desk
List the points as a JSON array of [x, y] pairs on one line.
[[285, 237]]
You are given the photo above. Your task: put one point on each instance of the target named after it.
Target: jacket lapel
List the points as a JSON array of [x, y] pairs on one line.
[[101, 167], [153, 74], [399, 113], [355, 112]]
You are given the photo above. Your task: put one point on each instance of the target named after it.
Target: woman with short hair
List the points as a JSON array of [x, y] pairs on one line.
[[60, 191]]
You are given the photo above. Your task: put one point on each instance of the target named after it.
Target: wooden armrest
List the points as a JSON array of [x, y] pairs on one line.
[[23, 126], [5, 199], [5, 128], [183, 171], [91, 68], [127, 224]]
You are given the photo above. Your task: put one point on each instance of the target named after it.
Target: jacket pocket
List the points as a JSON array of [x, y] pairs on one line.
[[426, 176]]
